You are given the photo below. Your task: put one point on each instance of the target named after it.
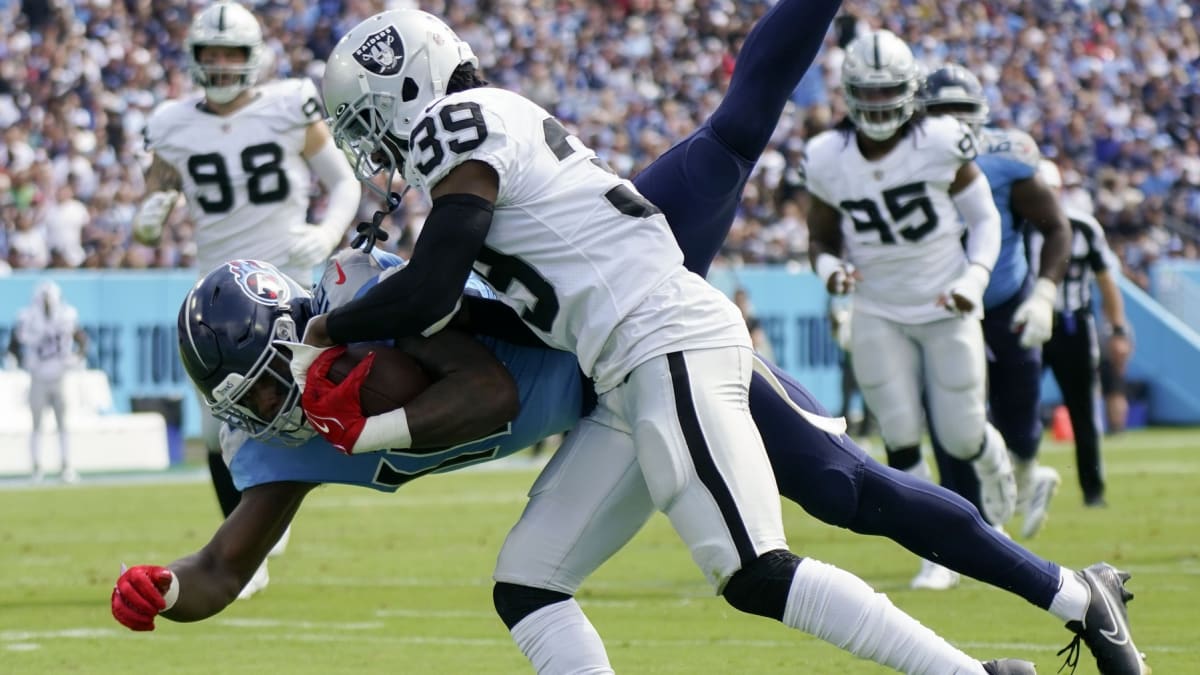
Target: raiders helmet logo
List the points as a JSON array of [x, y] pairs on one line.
[[261, 282], [381, 53]]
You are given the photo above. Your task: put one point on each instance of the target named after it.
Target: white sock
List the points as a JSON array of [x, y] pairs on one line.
[[838, 607], [558, 639], [1070, 603], [62, 449]]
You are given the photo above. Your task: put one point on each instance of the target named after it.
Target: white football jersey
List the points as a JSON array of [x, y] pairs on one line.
[[243, 175], [47, 342], [899, 224], [577, 251]]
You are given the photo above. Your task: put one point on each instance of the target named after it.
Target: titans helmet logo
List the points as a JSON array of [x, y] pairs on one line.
[[261, 282], [381, 53]]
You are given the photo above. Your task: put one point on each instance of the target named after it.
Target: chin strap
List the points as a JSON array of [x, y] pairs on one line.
[[370, 231]]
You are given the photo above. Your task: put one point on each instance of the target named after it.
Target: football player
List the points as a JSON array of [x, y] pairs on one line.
[[591, 267], [47, 342], [824, 472], [891, 191], [242, 154], [1017, 305]]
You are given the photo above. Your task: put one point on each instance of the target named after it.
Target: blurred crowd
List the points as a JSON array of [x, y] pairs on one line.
[[1110, 89]]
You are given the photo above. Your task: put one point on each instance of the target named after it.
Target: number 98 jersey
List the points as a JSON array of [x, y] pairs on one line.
[[899, 223], [243, 175], [585, 260]]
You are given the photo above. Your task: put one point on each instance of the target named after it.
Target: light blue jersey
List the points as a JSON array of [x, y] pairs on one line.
[[1007, 156], [549, 382]]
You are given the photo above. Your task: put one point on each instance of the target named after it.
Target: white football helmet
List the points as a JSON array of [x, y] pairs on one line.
[[880, 79], [380, 77], [225, 24]]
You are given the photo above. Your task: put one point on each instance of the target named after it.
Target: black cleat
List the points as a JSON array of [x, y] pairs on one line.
[[1009, 667], [1105, 626]]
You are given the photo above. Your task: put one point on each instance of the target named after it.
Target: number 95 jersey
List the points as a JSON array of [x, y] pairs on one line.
[[583, 258], [243, 175], [899, 223]]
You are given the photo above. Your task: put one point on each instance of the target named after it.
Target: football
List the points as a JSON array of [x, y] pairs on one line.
[[395, 377]]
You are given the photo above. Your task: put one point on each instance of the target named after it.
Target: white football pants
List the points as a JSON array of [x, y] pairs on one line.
[[944, 361], [677, 436]]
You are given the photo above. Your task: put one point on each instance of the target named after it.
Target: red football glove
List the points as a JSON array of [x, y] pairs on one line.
[[138, 596], [335, 410]]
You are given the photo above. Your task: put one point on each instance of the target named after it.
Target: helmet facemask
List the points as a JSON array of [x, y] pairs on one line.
[[880, 111], [229, 397], [362, 130], [223, 82]]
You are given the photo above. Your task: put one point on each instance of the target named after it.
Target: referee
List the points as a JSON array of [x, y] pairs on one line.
[[1073, 352]]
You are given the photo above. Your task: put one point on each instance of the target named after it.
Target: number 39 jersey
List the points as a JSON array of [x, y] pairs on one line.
[[243, 175], [899, 223], [583, 258]]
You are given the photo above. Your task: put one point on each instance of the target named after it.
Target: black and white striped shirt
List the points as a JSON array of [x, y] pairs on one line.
[[1090, 255]]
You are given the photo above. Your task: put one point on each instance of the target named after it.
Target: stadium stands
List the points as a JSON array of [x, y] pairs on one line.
[[1111, 90]]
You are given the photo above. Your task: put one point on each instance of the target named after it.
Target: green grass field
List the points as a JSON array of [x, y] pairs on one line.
[[401, 583]]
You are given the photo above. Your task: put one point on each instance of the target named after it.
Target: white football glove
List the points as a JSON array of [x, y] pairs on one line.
[[965, 295], [302, 359], [1034, 318], [312, 244], [152, 215], [839, 276]]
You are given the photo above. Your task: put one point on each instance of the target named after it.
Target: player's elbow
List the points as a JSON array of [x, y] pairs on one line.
[[503, 402]]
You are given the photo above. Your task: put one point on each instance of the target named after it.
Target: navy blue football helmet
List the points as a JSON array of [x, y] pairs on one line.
[[228, 325], [954, 90]]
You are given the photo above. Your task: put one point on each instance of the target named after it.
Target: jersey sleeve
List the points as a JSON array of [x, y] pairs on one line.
[[157, 126], [253, 462], [961, 142], [816, 154], [307, 102], [461, 127]]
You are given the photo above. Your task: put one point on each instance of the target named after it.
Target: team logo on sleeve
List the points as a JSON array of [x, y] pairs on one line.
[[261, 282], [381, 53]]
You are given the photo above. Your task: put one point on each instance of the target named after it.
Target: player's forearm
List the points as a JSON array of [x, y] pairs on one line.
[[1111, 302], [1056, 248], [423, 296], [978, 211], [460, 409], [344, 190], [161, 176], [205, 587]]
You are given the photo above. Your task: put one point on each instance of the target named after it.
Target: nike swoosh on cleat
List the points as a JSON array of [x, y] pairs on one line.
[[341, 278], [1119, 635]]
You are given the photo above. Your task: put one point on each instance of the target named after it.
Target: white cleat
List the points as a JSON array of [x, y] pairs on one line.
[[70, 476], [934, 577], [257, 582], [997, 482], [1042, 487]]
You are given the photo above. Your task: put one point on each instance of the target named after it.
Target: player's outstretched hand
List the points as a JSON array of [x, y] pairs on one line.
[[335, 409], [140, 594]]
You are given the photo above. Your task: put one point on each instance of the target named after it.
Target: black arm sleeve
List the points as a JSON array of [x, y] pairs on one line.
[[427, 289]]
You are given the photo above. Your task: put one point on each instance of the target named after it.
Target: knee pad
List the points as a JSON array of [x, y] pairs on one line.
[[762, 586], [514, 602]]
